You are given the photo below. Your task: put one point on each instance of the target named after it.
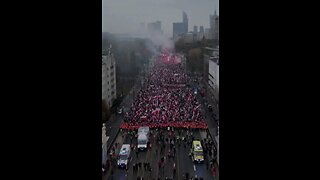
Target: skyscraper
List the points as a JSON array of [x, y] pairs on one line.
[[181, 28], [178, 29], [214, 25], [201, 30], [185, 21], [216, 29], [155, 27], [195, 29], [201, 33]]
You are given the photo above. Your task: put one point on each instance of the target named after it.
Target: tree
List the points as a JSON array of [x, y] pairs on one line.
[[105, 111], [180, 45], [195, 62]]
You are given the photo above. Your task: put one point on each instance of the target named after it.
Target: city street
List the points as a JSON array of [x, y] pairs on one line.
[[183, 163], [182, 160]]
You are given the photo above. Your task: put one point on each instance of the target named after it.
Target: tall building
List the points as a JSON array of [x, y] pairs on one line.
[[211, 72], [195, 29], [216, 29], [211, 77], [201, 30], [201, 33], [104, 145], [185, 21], [178, 29], [214, 26], [207, 33], [109, 93], [155, 27]]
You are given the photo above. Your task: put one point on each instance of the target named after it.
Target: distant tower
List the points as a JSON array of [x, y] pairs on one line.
[[201, 29], [185, 21], [195, 29]]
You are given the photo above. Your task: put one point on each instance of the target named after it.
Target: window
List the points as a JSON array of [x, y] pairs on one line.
[[123, 157]]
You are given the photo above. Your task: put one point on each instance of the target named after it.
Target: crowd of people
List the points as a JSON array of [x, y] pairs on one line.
[[165, 100]]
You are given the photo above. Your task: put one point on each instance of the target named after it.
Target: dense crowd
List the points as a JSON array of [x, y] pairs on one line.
[[165, 100]]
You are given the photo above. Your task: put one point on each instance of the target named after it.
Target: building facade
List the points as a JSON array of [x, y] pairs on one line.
[[214, 26], [213, 77], [201, 33], [155, 27], [180, 28], [185, 21], [207, 33], [195, 29], [109, 93], [211, 71], [201, 30], [104, 145], [188, 37], [216, 29]]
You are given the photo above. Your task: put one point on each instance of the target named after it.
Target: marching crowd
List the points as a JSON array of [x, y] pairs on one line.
[[165, 100]]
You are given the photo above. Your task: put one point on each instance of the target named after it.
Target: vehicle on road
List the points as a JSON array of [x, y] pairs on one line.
[[124, 156], [143, 137], [197, 152], [120, 110]]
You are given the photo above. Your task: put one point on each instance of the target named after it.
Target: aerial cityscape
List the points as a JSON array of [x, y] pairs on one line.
[[160, 90]]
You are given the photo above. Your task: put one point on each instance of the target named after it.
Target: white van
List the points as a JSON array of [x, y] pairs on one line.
[[124, 155], [143, 139]]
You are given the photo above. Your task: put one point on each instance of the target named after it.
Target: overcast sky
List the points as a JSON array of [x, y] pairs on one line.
[[125, 16]]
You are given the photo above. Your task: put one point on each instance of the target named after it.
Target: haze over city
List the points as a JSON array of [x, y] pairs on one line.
[[125, 16], [160, 89]]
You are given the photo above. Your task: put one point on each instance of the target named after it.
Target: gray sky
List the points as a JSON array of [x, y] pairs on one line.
[[125, 16]]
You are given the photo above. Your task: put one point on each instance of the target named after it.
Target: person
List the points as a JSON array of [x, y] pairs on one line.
[[145, 166], [214, 173], [187, 175], [134, 167], [126, 170], [103, 169], [174, 169]]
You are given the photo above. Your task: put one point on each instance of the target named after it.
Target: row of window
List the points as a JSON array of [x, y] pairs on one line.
[[112, 93], [211, 76]]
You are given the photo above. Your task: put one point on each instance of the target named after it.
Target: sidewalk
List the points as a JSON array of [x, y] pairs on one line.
[[115, 120]]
